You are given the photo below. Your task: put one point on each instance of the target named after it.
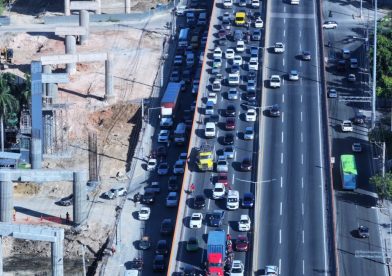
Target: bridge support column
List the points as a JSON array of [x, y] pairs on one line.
[[6, 197], [57, 249], [70, 48], [84, 21], [109, 93], [79, 198]]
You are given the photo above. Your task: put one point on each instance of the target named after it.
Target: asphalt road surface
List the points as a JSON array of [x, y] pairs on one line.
[[293, 228]]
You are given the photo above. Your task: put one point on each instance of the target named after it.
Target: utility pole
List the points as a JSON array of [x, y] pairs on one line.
[[360, 13], [374, 66], [383, 159], [84, 263]]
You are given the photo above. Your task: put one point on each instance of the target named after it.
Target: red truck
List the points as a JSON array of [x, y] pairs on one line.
[[216, 253]]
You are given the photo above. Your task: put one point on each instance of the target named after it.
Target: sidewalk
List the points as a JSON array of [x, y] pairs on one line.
[[385, 224]]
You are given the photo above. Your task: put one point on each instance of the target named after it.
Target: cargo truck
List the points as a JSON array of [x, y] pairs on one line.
[[216, 252], [169, 104], [205, 158]]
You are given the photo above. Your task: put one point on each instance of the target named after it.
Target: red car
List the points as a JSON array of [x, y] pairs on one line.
[[242, 243], [222, 178], [230, 123]]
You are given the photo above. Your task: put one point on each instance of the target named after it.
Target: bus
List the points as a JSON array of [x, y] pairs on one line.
[[183, 38], [349, 172]]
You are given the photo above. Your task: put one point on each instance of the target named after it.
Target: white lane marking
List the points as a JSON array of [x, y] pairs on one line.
[[228, 229], [303, 209], [235, 155], [320, 142], [280, 236], [301, 98], [205, 229], [280, 266], [303, 267], [281, 158], [284, 20], [284, 8], [281, 207], [302, 182], [300, 33], [302, 137], [302, 158], [208, 204], [284, 33], [282, 98], [281, 181], [282, 117], [303, 236], [301, 116], [283, 62], [282, 137], [232, 179]]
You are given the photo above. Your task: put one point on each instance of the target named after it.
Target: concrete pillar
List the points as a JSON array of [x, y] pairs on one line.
[[84, 21], [36, 149], [67, 10], [70, 48], [98, 11], [80, 197], [6, 197], [109, 93], [1, 255], [48, 86], [127, 6], [57, 254]]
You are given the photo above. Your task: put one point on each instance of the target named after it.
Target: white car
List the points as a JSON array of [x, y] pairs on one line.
[[151, 164], [222, 165], [237, 60], [216, 86], [351, 78], [356, 147], [232, 94], [237, 268], [249, 133], [217, 53], [229, 54], [259, 22], [330, 25], [227, 4], [233, 79], [213, 97], [210, 130], [240, 47], [179, 167], [253, 64], [163, 136], [332, 93], [218, 191], [233, 200], [293, 75], [275, 81], [279, 47], [144, 213], [244, 223], [251, 115], [196, 220], [347, 126], [255, 3]]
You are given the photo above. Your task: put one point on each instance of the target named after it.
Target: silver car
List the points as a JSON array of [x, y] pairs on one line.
[[249, 133], [232, 94]]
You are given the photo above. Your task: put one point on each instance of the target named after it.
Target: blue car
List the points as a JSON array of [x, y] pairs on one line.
[[248, 200]]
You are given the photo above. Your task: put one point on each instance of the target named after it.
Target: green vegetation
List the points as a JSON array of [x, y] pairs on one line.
[[383, 185], [2, 6], [384, 57]]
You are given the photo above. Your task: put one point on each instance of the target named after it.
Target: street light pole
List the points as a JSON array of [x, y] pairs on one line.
[[360, 13], [374, 66]]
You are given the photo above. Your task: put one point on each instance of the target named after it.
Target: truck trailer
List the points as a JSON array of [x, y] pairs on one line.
[[169, 104]]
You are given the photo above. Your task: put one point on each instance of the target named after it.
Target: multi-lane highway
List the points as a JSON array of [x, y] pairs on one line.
[[238, 179], [291, 197]]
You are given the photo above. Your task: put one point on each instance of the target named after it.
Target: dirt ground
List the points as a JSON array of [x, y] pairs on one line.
[[136, 60]]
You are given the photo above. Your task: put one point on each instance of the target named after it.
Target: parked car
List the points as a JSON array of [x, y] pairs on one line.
[[144, 213]]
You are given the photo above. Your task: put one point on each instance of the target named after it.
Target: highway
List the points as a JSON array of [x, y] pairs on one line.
[[238, 180], [352, 208], [292, 232]]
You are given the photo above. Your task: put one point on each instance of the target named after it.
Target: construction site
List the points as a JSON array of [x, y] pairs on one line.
[[91, 122]]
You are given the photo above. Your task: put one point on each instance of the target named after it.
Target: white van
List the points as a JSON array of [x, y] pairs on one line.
[[232, 200], [210, 130], [180, 134]]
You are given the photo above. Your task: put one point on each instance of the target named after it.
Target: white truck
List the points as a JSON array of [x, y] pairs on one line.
[[169, 104]]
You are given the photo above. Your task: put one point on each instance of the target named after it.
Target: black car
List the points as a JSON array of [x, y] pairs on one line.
[[148, 197], [162, 248], [186, 75], [228, 139], [66, 201], [230, 110], [172, 184], [144, 243], [341, 65], [251, 75], [189, 271], [222, 33], [222, 41], [212, 118], [235, 69], [248, 200], [274, 110], [360, 119], [199, 202], [306, 55], [216, 218], [246, 164], [363, 232], [159, 263], [238, 35], [251, 96], [166, 227]]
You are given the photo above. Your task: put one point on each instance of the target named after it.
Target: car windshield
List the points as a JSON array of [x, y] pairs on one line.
[[236, 270], [232, 200], [218, 190]]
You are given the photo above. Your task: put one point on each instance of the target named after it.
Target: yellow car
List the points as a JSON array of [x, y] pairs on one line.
[[240, 18]]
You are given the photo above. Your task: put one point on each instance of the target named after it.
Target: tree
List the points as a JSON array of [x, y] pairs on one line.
[[26, 91], [8, 104], [383, 185]]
